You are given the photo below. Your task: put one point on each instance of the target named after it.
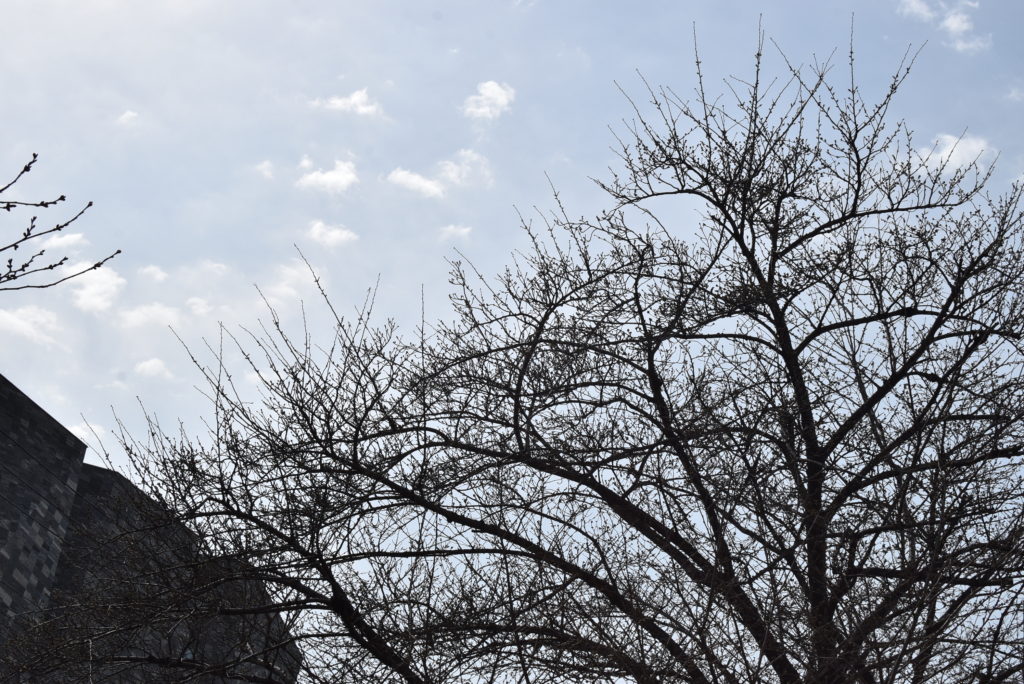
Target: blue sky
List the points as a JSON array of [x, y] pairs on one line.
[[217, 137]]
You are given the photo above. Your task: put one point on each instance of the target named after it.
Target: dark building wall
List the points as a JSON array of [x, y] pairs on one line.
[[122, 549], [84, 552], [40, 463]]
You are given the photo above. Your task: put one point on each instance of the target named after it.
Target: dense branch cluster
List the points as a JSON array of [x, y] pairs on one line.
[[780, 444]]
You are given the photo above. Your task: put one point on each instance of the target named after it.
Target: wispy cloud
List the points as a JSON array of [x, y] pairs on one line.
[[95, 290], [87, 432], [492, 99], [265, 168], [291, 280], [149, 314], [956, 23], [417, 183], [198, 306], [330, 236], [960, 29], [153, 368], [358, 102], [335, 181], [953, 19], [466, 168], [956, 151], [202, 272], [918, 9], [153, 272], [31, 322], [453, 232], [64, 241], [127, 118]]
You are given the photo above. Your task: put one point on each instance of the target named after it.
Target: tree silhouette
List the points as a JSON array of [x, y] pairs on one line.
[[35, 270], [780, 442]]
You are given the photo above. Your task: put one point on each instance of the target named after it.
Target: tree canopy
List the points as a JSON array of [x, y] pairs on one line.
[[780, 444]]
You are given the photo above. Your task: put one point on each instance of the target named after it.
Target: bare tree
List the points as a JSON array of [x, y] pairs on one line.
[[781, 443], [35, 270]]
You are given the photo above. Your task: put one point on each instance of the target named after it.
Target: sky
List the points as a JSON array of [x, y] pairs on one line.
[[222, 140]]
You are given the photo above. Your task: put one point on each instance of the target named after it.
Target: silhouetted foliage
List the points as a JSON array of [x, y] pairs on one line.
[[781, 443], [35, 270]]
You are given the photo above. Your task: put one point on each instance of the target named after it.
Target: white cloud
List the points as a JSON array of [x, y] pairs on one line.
[[305, 163], [153, 368], [114, 384], [972, 43], [958, 27], [198, 306], [468, 168], [918, 9], [95, 290], [454, 232], [951, 19], [956, 23], [154, 272], [1015, 94], [955, 152], [201, 276], [265, 168], [336, 180], [127, 118], [31, 322], [465, 168], [64, 240], [358, 102], [150, 314], [87, 432], [490, 102], [330, 236], [213, 267], [291, 280], [417, 183]]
